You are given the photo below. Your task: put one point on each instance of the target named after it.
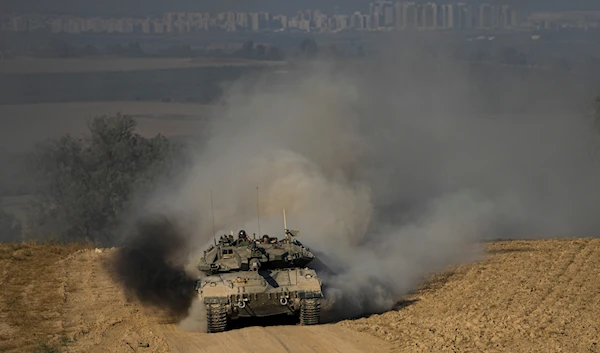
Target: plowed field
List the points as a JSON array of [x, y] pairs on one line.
[[525, 296]]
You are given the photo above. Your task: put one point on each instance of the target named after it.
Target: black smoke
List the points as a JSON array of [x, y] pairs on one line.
[[149, 266]]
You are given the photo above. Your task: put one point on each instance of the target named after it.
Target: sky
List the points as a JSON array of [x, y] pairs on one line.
[[144, 7]]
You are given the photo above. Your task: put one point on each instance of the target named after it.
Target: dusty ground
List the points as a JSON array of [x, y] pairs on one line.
[[526, 296]]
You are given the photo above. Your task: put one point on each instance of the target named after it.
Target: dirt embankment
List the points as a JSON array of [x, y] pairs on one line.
[[60, 299], [526, 296]]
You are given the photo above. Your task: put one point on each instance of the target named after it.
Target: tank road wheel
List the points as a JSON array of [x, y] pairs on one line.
[[216, 315], [310, 311]]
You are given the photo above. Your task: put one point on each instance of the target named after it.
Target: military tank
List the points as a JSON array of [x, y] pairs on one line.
[[258, 277]]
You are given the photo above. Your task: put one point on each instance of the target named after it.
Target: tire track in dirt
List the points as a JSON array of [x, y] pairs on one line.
[[297, 339], [580, 255], [565, 312], [555, 268]]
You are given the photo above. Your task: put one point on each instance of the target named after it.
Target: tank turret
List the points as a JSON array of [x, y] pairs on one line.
[[251, 254]]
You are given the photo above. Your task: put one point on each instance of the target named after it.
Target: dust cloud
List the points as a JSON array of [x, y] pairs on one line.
[[195, 321], [391, 168]]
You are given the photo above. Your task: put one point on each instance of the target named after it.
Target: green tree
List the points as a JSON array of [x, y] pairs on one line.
[[133, 49], [89, 50], [273, 53], [82, 186], [511, 56], [57, 49], [309, 48], [247, 48], [261, 50], [178, 51]]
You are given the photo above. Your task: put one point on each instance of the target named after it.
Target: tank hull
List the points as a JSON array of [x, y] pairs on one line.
[[292, 291]]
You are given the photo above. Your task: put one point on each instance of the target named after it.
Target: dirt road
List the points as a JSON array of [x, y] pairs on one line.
[[322, 338], [526, 296], [92, 314]]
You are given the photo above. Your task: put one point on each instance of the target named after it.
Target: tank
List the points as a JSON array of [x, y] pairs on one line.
[[258, 277]]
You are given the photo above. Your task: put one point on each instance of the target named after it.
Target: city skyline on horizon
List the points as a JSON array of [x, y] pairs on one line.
[[153, 7], [382, 15]]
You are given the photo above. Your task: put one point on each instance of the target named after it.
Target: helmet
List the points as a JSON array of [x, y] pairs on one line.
[[242, 234]]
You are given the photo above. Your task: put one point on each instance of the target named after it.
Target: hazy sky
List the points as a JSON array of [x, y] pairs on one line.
[[141, 7]]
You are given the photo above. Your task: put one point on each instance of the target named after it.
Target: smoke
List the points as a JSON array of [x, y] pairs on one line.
[[149, 267], [389, 169]]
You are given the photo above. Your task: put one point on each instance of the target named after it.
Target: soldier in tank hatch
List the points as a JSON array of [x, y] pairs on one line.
[[243, 238]]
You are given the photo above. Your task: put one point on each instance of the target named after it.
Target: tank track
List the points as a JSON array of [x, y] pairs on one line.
[[216, 315], [310, 311]]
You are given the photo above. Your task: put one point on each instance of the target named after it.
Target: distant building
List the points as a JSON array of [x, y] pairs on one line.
[[383, 15]]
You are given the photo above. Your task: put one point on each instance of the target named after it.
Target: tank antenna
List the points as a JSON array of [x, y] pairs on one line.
[[212, 209], [257, 211], [285, 225]]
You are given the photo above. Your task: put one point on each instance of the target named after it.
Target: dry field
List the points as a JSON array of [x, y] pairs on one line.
[[28, 66], [525, 296], [24, 124]]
